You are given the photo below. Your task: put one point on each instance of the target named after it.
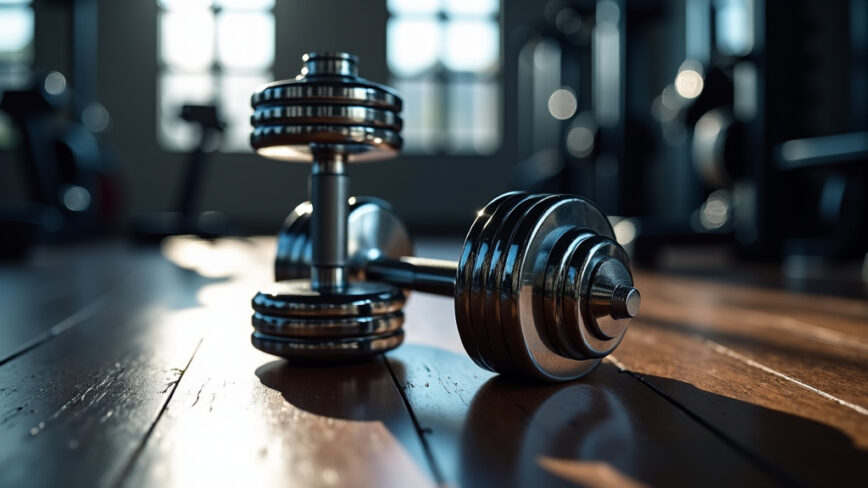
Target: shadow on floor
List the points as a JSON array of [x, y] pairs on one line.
[[607, 428]]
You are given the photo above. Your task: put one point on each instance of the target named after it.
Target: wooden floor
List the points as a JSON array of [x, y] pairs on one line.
[[133, 366]]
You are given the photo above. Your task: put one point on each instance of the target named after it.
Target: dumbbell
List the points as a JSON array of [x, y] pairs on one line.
[[330, 117], [541, 288]]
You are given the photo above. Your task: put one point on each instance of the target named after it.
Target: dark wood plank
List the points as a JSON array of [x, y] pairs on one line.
[[243, 418], [605, 430], [56, 290], [75, 410], [832, 319], [808, 353], [786, 398]]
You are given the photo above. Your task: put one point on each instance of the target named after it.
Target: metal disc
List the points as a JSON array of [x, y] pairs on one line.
[[326, 114], [483, 323], [335, 90], [580, 324], [299, 142], [468, 280], [513, 234], [325, 328], [526, 340], [373, 231], [465, 272], [293, 243], [328, 351], [551, 299], [296, 298]]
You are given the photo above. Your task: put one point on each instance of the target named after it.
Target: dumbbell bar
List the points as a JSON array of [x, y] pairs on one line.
[[541, 288], [331, 117]]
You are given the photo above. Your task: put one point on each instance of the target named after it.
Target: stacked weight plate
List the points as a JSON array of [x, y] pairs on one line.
[[294, 321], [328, 108], [524, 286]]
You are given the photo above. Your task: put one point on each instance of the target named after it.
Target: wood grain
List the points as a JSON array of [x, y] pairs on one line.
[[244, 418], [150, 379], [50, 293], [485, 430], [75, 409], [787, 399]]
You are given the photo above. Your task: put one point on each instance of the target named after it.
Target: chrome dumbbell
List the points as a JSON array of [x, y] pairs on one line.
[[541, 288], [330, 117]]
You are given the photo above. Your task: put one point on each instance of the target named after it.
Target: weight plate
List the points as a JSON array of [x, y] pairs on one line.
[[293, 242], [580, 323], [466, 277], [299, 142], [334, 90], [484, 323], [325, 328], [514, 232], [326, 114], [557, 271], [535, 358], [296, 298], [327, 351]]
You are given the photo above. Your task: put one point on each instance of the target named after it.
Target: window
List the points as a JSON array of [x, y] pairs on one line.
[[444, 58], [212, 52], [16, 42]]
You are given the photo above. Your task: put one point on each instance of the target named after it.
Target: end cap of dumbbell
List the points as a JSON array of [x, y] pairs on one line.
[[613, 298]]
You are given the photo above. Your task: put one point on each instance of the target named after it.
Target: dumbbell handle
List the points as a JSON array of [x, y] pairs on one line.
[[435, 276]]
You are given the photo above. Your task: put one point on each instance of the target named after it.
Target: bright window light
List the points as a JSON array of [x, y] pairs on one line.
[[187, 39], [414, 45], [410, 7], [184, 4], [245, 40], [212, 52], [486, 8], [244, 4], [16, 30], [444, 56], [471, 45]]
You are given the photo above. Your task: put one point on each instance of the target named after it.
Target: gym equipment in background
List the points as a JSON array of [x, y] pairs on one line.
[[185, 219], [73, 191]]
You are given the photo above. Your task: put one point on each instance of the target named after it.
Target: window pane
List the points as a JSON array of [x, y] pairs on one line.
[[472, 7], [245, 4], [474, 117], [245, 40], [16, 34], [235, 91], [472, 45], [403, 7], [412, 45], [184, 4], [176, 89], [421, 104], [187, 39]]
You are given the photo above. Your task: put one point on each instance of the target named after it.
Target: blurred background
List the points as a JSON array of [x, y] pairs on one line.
[[737, 127]]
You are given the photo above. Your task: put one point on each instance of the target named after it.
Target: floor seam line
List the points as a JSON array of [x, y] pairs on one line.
[[750, 456], [429, 454], [79, 316], [140, 448]]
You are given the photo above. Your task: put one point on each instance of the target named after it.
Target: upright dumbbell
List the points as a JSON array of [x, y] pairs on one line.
[[541, 288], [330, 117]]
